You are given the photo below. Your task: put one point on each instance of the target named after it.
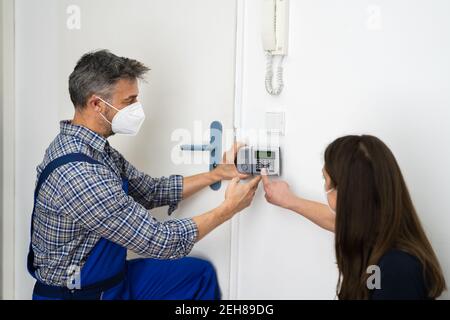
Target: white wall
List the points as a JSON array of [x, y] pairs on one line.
[[343, 78], [7, 147], [1, 142], [36, 125]]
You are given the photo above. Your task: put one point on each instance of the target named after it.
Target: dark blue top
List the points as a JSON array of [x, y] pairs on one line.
[[402, 278]]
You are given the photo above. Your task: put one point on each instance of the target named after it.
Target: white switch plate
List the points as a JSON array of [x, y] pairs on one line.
[[275, 121]]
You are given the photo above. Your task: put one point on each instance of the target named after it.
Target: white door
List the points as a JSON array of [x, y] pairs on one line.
[[353, 67], [189, 45]]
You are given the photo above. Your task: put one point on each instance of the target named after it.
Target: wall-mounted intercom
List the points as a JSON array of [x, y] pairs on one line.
[[250, 160], [275, 34]]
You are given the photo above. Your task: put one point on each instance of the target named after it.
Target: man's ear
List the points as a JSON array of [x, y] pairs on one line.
[[94, 103]]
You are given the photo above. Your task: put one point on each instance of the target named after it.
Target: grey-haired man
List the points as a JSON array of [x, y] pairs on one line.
[[91, 204]]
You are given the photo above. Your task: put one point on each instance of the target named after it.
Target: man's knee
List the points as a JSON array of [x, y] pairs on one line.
[[202, 266], [205, 271]]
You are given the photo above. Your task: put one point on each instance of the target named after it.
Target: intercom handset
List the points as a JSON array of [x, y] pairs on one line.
[[275, 36], [275, 26], [251, 160]]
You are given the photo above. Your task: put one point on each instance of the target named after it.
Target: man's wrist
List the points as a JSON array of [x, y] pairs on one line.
[[215, 175], [226, 210]]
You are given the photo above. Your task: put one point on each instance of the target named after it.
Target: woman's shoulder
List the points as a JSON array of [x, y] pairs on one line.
[[402, 277], [399, 259]]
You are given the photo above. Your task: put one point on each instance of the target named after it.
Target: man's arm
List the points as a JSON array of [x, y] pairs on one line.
[[224, 171], [148, 191], [157, 192], [237, 197], [195, 183], [94, 198], [92, 195]]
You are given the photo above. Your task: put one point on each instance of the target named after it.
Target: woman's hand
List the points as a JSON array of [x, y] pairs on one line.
[[278, 192]]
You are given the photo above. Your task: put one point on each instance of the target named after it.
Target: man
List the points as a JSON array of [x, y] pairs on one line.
[[91, 204]]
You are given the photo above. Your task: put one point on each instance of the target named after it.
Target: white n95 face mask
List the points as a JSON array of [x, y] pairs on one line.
[[327, 192], [128, 120]]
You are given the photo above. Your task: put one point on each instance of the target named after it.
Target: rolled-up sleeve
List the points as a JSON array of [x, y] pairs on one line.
[[151, 192], [156, 192], [93, 196]]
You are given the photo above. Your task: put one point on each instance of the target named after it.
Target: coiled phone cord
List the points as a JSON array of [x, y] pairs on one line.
[[269, 75]]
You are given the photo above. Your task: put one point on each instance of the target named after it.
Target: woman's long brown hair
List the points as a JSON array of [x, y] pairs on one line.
[[374, 213]]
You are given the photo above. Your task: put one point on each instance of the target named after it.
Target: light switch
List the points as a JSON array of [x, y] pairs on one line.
[[275, 122]]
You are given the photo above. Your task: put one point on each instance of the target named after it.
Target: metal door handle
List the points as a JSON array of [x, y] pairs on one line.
[[214, 147]]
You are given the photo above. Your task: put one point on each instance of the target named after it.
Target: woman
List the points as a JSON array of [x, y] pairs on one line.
[[374, 220]]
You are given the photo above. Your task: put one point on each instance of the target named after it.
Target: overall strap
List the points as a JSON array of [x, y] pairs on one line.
[[53, 165], [58, 162]]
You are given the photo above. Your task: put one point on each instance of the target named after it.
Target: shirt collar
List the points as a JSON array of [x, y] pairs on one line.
[[86, 135]]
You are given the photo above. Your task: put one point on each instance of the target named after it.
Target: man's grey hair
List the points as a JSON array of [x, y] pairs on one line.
[[98, 72]]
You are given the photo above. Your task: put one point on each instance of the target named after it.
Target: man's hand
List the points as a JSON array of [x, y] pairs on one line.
[[239, 196], [277, 192], [227, 169], [224, 171]]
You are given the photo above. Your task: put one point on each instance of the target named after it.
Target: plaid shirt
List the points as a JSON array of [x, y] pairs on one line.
[[80, 203]]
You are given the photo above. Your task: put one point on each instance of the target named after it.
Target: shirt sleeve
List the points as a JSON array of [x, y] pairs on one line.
[[93, 196], [151, 192]]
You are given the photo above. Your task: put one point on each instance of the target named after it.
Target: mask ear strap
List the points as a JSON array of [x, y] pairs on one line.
[[108, 104], [105, 118]]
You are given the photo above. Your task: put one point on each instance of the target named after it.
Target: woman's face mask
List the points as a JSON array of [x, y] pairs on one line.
[[327, 193], [328, 182], [128, 120]]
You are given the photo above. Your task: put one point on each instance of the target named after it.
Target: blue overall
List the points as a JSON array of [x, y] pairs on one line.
[[108, 275]]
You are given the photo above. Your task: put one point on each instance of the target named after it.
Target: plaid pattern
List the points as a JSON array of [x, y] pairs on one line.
[[80, 203]]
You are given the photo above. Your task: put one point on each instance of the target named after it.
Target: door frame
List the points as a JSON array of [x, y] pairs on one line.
[[237, 126], [7, 149]]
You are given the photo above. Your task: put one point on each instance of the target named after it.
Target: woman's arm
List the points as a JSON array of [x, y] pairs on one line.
[[318, 213], [279, 193]]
